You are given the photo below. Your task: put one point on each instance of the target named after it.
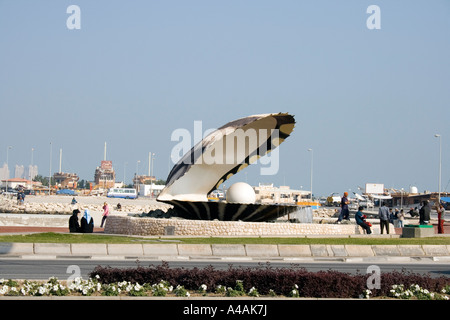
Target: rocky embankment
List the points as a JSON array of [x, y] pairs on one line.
[[53, 205]]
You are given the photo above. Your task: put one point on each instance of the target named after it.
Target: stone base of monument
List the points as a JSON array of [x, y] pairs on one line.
[[116, 224], [417, 231]]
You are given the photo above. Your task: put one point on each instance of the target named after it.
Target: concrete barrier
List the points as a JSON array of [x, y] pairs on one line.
[[125, 249], [52, 248], [385, 250], [192, 251], [160, 249], [89, 249], [354, 250], [435, 250], [411, 250], [8, 248], [262, 250], [233, 250], [300, 250]]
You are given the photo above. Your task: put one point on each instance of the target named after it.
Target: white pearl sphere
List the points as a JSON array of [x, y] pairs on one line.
[[241, 192]]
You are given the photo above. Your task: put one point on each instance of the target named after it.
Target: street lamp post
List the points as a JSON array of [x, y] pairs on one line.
[[7, 167], [124, 169], [440, 167], [401, 202], [151, 174], [137, 174], [312, 152], [50, 171]]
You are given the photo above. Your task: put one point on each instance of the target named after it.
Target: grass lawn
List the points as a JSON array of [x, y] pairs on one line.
[[51, 237]]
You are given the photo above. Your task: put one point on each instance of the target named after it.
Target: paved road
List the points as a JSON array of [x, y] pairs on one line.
[[37, 269]]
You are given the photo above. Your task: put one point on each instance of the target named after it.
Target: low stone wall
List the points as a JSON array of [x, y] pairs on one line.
[[154, 226]]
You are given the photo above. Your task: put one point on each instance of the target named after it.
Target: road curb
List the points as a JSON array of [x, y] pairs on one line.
[[223, 251]]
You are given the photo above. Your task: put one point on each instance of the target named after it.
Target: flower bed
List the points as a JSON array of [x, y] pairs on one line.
[[233, 282]]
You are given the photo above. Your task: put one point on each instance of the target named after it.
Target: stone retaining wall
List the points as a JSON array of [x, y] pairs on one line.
[[154, 226]]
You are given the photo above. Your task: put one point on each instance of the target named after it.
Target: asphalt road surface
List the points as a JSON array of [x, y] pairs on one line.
[[12, 268]]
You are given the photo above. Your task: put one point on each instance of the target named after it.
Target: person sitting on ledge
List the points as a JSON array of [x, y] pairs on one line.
[[87, 222], [361, 220], [74, 225]]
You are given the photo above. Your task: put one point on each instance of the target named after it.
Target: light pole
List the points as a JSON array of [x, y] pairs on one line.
[[30, 172], [137, 173], [50, 170], [312, 152], [401, 203], [151, 175], [124, 169], [440, 167], [7, 167]]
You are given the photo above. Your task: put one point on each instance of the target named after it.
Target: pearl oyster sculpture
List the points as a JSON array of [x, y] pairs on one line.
[[216, 158]]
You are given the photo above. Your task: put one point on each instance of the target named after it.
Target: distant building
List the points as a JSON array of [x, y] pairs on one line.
[[66, 180], [411, 200], [31, 172], [150, 190], [105, 176], [23, 172], [17, 183], [19, 171], [4, 172], [267, 193], [143, 180]]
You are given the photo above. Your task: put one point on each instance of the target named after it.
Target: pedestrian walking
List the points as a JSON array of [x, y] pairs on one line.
[[391, 216], [345, 213], [424, 213], [401, 219], [105, 214], [441, 219], [383, 215]]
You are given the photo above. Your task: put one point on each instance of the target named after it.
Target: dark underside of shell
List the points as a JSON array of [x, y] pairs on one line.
[[211, 210]]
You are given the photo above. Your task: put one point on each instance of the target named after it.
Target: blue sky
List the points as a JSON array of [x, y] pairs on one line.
[[368, 102]]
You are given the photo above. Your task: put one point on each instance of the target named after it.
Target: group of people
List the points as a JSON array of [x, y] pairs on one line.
[[85, 223], [359, 216], [387, 216], [20, 197]]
